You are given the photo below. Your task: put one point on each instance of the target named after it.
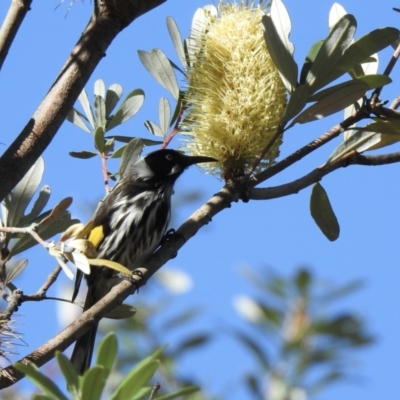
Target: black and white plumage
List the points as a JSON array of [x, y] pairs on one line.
[[134, 217]]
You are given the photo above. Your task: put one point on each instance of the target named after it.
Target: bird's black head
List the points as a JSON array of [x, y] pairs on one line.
[[164, 164]]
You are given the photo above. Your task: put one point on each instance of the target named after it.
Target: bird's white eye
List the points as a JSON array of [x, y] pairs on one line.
[[169, 157]]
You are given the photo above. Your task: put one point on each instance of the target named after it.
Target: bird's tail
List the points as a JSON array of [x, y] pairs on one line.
[[83, 350]]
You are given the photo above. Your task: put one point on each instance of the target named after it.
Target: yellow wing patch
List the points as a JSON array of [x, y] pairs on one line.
[[96, 235]]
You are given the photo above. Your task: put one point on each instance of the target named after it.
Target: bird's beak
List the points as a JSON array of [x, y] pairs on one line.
[[191, 160]]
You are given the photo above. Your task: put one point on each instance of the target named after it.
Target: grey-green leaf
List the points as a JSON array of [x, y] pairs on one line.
[[322, 212], [23, 193], [69, 372], [179, 393], [130, 155], [128, 108], [84, 100], [153, 128], [330, 52], [16, 270], [335, 100], [113, 95], [297, 101], [39, 379], [164, 112], [176, 39], [93, 383], [100, 111], [99, 139], [38, 206], [107, 351], [100, 88], [160, 68], [84, 154], [310, 58], [78, 119], [280, 54]]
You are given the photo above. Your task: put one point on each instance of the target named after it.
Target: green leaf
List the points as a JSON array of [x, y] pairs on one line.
[[37, 396], [107, 351], [58, 225], [310, 58], [375, 81], [160, 68], [335, 99], [180, 392], [93, 382], [130, 106], [178, 106], [15, 270], [276, 35], [164, 112], [100, 89], [22, 194], [78, 119], [322, 212], [181, 319], [113, 95], [99, 139], [138, 377], [331, 51], [297, 101], [109, 146], [153, 128], [142, 394], [118, 153], [84, 154], [127, 139], [303, 282], [121, 311], [84, 100], [100, 111], [173, 31], [360, 141], [40, 380], [130, 155], [193, 342], [69, 372], [38, 206]]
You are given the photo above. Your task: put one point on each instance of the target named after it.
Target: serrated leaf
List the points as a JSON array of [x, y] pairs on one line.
[[280, 50], [153, 128], [113, 95], [99, 139], [93, 382], [69, 373], [297, 102], [331, 51], [137, 377], [16, 270], [122, 311], [164, 112], [40, 380], [22, 193], [38, 206], [130, 106], [83, 155], [179, 393], [322, 212], [100, 88], [130, 155], [78, 119], [107, 351], [84, 100], [335, 100], [100, 111], [173, 31], [160, 68]]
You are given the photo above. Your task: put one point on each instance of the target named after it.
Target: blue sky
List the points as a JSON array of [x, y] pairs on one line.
[[278, 233]]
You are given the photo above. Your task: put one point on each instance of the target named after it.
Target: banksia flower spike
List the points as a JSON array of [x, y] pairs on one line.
[[235, 97]]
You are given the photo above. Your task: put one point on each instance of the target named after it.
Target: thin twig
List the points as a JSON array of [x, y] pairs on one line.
[[29, 230], [49, 281]]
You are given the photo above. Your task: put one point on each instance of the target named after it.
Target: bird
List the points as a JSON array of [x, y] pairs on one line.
[[134, 218]]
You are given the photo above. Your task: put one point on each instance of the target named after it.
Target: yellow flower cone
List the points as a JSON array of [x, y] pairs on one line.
[[235, 97]]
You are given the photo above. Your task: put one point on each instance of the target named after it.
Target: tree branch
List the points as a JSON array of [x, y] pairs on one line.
[[13, 20], [110, 17], [352, 158], [118, 293]]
